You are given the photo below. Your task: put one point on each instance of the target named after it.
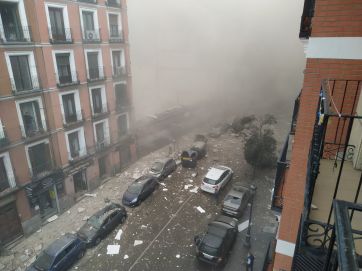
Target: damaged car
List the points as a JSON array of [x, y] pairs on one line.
[[236, 201], [139, 190], [163, 167], [214, 246], [102, 223], [200, 146]]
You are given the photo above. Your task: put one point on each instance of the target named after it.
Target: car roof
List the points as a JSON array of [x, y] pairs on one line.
[[163, 160], [214, 173], [235, 193], [143, 179], [225, 220], [54, 248], [212, 240], [108, 208]]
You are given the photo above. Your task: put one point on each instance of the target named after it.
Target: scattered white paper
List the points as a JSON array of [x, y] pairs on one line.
[[163, 184], [52, 218], [178, 256], [165, 198], [113, 249], [200, 209], [191, 181], [125, 257], [99, 255], [194, 174], [118, 235], [81, 210], [165, 189], [143, 227], [243, 226], [194, 190], [90, 195], [187, 186], [137, 242]]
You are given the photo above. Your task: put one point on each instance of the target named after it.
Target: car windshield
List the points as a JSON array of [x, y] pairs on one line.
[[210, 181], [95, 222], [43, 262], [233, 199], [208, 250], [157, 167], [135, 188]]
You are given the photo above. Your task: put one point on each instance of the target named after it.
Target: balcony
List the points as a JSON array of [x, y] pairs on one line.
[[92, 36], [24, 86], [306, 20], [95, 74], [73, 120], [77, 155], [42, 169], [119, 72], [116, 34], [32, 131], [67, 79], [60, 37], [333, 173], [99, 112], [15, 35], [103, 145], [114, 3]]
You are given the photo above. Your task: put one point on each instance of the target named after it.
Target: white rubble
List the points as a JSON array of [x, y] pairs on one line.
[[200, 209], [113, 249], [137, 242]]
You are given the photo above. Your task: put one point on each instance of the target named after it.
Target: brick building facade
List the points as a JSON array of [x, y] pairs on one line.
[[65, 105], [320, 160]]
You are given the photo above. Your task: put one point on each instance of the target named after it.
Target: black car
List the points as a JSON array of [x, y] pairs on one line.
[[214, 246], [59, 255], [163, 167], [189, 159], [102, 223], [139, 190]]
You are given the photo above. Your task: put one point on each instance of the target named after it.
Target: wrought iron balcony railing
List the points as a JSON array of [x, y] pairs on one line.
[[100, 110], [119, 71], [92, 36], [60, 35], [114, 3], [32, 130], [66, 78], [115, 34], [123, 107], [96, 74], [77, 154], [306, 20], [74, 117], [103, 144], [15, 34], [41, 168], [89, 1], [23, 85]]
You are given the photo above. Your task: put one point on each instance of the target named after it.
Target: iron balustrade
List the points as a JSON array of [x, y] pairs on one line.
[[32, 130], [306, 19], [60, 35], [78, 153], [100, 110], [103, 144], [24, 84], [41, 169], [92, 36], [119, 71], [16, 34], [115, 34], [66, 78], [76, 116], [96, 74], [114, 3]]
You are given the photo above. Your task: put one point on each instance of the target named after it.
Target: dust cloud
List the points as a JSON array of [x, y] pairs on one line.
[[241, 56]]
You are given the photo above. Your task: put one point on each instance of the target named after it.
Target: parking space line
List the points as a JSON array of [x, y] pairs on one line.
[[164, 227]]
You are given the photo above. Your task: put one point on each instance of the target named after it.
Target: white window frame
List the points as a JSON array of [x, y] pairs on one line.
[[78, 107], [8, 169], [45, 141], [65, 16], [105, 130], [100, 60], [123, 58], [127, 118], [103, 95], [23, 21], [81, 139], [95, 19], [2, 134], [71, 62], [32, 65], [119, 19], [41, 109]]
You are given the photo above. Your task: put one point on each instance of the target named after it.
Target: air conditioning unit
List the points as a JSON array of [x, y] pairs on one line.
[[90, 35]]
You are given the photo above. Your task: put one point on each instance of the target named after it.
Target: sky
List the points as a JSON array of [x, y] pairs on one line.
[[244, 56]]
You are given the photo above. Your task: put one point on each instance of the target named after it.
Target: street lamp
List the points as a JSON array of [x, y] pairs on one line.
[[250, 204]]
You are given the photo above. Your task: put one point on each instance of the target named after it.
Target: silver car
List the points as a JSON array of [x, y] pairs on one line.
[[216, 178], [163, 167]]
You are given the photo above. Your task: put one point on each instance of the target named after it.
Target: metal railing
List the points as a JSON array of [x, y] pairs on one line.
[[306, 20], [100, 110], [119, 71], [16, 34], [89, 1], [32, 130], [114, 3], [42, 168], [92, 36], [77, 116], [66, 79], [103, 144], [60, 36], [115, 33], [76, 154], [22, 84], [96, 74]]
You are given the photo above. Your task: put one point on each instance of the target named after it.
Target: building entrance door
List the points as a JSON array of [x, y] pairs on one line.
[[10, 226]]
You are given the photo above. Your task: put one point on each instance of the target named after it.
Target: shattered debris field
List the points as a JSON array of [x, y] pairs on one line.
[[159, 234]]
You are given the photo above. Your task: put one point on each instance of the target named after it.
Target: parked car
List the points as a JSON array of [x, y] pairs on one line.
[[139, 190], [218, 130], [200, 146], [163, 167], [216, 178], [102, 223], [236, 201], [214, 246], [189, 159], [59, 255]]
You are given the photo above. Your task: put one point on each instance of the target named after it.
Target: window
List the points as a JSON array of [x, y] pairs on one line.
[[122, 122], [80, 181], [64, 70], [118, 63], [7, 179], [75, 143], [39, 158], [58, 23], [101, 134], [94, 64], [114, 27], [89, 23], [31, 117], [121, 96], [70, 106], [97, 100]]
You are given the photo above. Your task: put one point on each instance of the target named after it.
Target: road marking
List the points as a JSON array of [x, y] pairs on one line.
[[154, 239]]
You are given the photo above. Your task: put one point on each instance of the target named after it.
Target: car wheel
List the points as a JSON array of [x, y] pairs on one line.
[[81, 254], [97, 241]]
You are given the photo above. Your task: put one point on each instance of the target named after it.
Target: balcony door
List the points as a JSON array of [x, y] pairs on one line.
[[70, 113], [39, 156], [30, 113], [74, 145], [64, 70], [4, 179], [122, 125], [11, 21], [57, 23], [97, 100], [100, 133], [93, 65], [21, 72], [88, 22], [113, 25], [121, 95], [117, 65]]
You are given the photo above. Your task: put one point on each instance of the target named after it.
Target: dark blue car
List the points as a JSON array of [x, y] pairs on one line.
[[59, 255], [139, 190]]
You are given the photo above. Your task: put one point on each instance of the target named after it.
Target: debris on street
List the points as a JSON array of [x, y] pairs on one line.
[[118, 235], [52, 218], [243, 226], [125, 257], [90, 195], [137, 242], [113, 249], [81, 210], [194, 190], [200, 209]]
